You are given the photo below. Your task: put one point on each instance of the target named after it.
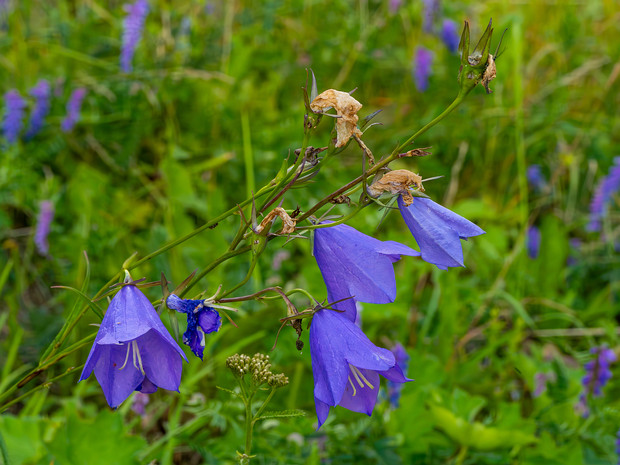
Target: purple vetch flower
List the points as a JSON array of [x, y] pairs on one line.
[[346, 365], [533, 241], [74, 106], [132, 31], [422, 62], [133, 351], [356, 265], [597, 375], [201, 320], [603, 195], [140, 401], [535, 177], [429, 12], [42, 230], [13, 115], [402, 360], [438, 231], [41, 94], [450, 35], [394, 6], [597, 370]]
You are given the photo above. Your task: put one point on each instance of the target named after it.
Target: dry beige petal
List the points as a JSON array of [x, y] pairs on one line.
[[288, 223], [489, 73], [396, 182], [346, 108]]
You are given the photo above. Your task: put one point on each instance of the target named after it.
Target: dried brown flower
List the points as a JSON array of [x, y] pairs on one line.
[[396, 182], [346, 108]]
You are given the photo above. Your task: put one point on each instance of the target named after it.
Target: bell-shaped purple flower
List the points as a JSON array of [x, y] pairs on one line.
[[346, 365], [437, 231], [201, 320], [133, 351], [356, 265]]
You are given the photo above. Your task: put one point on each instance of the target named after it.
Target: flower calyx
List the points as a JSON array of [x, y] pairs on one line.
[[479, 65]]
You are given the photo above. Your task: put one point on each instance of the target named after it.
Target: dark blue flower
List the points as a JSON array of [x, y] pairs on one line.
[[394, 389], [13, 116], [438, 231], [422, 62], [356, 265], [346, 365], [41, 94], [533, 241], [597, 375], [42, 230], [201, 320], [603, 195], [133, 351], [450, 35], [132, 31], [74, 106]]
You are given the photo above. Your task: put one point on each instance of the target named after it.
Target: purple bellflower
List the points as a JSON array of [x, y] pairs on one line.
[[356, 265], [450, 35], [422, 62], [533, 242], [346, 365], [74, 106], [13, 116], [603, 195], [133, 351], [437, 231], [201, 320], [41, 94], [44, 221], [394, 388], [132, 31]]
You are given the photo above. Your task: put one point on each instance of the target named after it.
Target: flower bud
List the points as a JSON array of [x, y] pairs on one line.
[[480, 64]]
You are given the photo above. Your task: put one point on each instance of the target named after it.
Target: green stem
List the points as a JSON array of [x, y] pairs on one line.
[[39, 387], [337, 222], [262, 407]]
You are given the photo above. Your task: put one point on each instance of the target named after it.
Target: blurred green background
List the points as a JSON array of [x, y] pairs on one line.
[[213, 106]]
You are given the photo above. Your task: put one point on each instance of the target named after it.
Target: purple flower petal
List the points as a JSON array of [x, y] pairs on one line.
[[356, 265], [346, 365], [115, 382], [437, 231]]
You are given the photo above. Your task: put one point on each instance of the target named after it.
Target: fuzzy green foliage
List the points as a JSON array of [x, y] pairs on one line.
[[161, 151]]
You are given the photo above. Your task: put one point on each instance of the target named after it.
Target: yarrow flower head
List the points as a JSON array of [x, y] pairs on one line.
[[132, 31], [201, 320], [41, 94], [13, 116], [533, 241], [394, 389], [422, 62], [74, 106], [133, 351], [603, 195], [450, 35], [356, 265], [438, 231], [44, 221], [346, 365]]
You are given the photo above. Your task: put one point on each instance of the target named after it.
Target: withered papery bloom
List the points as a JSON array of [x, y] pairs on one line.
[[346, 108], [133, 350], [396, 182]]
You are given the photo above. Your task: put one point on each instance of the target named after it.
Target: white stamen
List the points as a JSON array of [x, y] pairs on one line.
[[126, 357], [353, 386], [359, 377]]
